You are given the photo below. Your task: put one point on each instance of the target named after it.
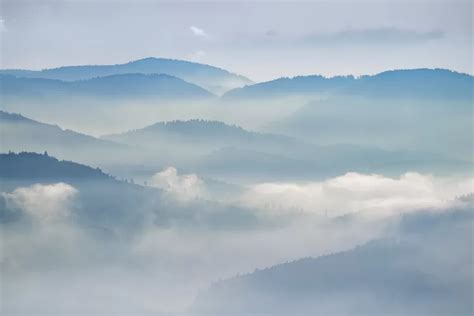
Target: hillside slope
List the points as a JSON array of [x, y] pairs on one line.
[[389, 277]]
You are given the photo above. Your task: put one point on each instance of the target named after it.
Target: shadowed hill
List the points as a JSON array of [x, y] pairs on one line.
[[103, 203], [27, 165], [108, 203], [410, 83], [389, 277]]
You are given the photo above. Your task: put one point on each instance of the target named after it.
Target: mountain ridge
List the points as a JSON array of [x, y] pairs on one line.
[[130, 85], [215, 79], [404, 82]]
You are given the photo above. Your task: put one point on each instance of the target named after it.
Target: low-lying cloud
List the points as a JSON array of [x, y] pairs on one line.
[[152, 269], [43, 201], [357, 193], [183, 187]]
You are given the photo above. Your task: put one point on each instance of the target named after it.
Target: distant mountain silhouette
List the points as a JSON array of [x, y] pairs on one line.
[[211, 78], [422, 125], [186, 142], [113, 86], [382, 277], [415, 83], [197, 130], [410, 83], [318, 162], [282, 87], [219, 149]]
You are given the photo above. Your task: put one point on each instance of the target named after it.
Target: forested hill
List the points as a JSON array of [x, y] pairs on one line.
[[28, 165]]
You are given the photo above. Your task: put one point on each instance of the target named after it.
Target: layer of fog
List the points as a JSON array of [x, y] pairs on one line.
[[53, 263], [424, 269], [100, 117], [424, 126]]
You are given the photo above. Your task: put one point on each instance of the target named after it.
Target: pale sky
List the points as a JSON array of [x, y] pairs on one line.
[[262, 40]]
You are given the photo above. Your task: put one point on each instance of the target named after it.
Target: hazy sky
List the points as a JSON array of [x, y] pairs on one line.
[[261, 40]]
